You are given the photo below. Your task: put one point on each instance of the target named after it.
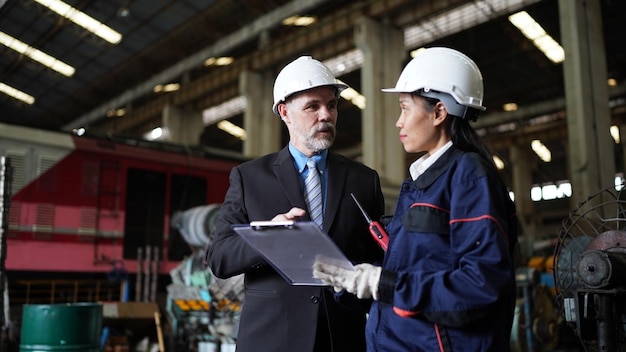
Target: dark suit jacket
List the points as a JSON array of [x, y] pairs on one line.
[[277, 316]]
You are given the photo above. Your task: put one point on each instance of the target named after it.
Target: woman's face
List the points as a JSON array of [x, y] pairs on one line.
[[419, 124]]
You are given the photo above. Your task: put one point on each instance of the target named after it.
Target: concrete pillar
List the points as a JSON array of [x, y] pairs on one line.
[[591, 156], [263, 128], [383, 56], [519, 155], [184, 126]]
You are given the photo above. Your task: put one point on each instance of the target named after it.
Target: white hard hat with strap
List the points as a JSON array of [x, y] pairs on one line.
[[301, 74], [445, 74]]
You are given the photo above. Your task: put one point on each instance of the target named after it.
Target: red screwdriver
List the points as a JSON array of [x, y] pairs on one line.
[[376, 229]]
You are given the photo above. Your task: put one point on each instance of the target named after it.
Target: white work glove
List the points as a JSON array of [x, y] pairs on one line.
[[362, 281]]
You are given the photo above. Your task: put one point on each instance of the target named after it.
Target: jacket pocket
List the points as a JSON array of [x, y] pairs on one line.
[[423, 218]]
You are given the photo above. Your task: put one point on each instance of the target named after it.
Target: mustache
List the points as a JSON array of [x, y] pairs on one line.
[[324, 126]]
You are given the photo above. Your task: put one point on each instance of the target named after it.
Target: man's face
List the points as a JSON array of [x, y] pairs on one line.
[[310, 117]]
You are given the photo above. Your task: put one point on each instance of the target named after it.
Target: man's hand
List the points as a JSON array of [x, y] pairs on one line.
[[362, 281], [291, 215]]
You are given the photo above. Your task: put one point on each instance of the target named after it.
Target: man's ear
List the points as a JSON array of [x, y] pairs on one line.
[[441, 113], [282, 110]]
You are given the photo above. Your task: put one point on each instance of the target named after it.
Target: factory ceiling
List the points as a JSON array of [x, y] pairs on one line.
[[168, 41]]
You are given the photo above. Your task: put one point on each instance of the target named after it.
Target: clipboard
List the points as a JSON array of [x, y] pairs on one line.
[[291, 248]]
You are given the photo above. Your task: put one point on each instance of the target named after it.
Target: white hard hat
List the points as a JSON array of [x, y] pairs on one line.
[[301, 74], [443, 70]]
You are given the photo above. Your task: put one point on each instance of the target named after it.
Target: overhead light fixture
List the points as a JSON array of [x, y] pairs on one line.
[[123, 11], [509, 107], [542, 40], [157, 134], [116, 112], [232, 129], [535, 193], [299, 21], [351, 95], [619, 181], [615, 133], [17, 94], [37, 55], [541, 150], [82, 19], [549, 191], [79, 131], [219, 61], [499, 163], [612, 82], [417, 51], [166, 88]]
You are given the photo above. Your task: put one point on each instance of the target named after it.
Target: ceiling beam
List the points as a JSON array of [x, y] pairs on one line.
[[534, 110], [222, 46], [328, 38]]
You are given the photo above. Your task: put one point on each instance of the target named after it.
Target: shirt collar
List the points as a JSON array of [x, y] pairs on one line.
[[300, 159], [420, 165]]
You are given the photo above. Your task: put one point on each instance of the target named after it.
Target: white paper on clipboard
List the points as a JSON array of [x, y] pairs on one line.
[[292, 248]]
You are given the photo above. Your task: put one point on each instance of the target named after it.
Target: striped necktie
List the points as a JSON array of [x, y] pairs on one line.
[[313, 192]]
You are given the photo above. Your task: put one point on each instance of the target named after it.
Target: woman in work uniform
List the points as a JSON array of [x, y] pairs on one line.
[[448, 278]]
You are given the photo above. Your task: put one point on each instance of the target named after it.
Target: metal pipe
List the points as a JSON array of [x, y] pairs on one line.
[[5, 201], [146, 278], [155, 274], [139, 271]]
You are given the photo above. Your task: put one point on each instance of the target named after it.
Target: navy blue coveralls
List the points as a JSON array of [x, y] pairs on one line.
[[448, 279]]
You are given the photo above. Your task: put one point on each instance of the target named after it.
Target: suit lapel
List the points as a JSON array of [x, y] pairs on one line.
[[287, 176], [336, 183]]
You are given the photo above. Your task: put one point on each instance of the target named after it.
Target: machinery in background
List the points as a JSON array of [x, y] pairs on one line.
[[203, 310], [536, 321], [590, 271]]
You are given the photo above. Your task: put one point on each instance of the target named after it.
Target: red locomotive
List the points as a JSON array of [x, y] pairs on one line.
[[81, 204]]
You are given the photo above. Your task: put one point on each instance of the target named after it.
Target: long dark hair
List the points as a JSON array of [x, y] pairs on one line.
[[463, 136]]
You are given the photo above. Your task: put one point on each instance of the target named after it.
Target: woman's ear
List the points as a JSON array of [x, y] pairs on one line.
[[441, 113]]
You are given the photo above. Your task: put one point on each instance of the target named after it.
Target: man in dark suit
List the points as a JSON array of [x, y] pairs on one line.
[[277, 316]]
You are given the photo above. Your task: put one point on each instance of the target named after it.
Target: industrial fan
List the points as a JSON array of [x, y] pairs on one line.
[[590, 271]]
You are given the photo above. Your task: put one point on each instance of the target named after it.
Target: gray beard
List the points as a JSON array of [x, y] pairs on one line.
[[318, 145]]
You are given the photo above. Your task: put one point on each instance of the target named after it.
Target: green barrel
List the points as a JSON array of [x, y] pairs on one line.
[[61, 327]]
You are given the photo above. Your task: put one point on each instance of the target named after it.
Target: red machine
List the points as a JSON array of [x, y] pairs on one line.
[[87, 205]]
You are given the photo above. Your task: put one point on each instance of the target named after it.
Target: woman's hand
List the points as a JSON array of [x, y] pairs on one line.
[[362, 281]]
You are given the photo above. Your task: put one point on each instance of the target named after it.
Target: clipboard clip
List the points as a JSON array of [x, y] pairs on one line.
[[263, 225]]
